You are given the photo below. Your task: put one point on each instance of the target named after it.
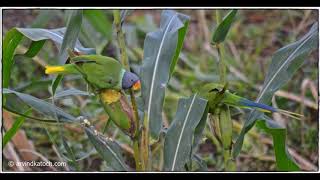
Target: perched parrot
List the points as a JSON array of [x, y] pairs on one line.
[[217, 94], [101, 72]]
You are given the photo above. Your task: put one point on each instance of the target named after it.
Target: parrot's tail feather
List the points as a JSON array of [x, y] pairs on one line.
[[259, 106], [65, 69], [290, 114], [269, 109]]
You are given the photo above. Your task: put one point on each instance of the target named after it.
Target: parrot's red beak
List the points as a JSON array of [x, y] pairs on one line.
[[136, 86]]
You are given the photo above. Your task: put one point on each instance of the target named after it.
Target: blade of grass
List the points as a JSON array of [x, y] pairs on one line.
[[15, 127]]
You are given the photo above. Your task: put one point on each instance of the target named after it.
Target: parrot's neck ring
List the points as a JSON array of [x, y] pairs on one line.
[[119, 85]]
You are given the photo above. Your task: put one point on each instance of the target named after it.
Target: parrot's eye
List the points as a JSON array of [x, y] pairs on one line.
[[215, 90]]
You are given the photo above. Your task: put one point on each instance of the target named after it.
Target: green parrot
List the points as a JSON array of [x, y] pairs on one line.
[[217, 94], [100, 71], [107, 76]]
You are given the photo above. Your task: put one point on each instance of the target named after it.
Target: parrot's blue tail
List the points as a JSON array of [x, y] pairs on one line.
[[245, 102], [266, 108]]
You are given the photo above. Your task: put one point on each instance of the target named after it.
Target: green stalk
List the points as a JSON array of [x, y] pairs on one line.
[[225, 124], [125, 63], [222, 64], [224, 119], [221, 53]]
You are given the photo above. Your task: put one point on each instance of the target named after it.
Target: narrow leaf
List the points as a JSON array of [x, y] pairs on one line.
[[181, 35], [42, 106], [285, 62], [71, 35], [108, 149], [55, 83], [69, 152], [199, 129], [70, 92], [283, 159], [15, 127], [56, 35], [179, 137], [222, 29], [34, 48], [159, 49], [10, 43]]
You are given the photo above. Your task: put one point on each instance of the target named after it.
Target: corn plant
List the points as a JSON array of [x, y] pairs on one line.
[[113, 82]]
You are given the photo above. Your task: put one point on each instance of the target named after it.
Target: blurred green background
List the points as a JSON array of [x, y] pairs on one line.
[[254, 37]]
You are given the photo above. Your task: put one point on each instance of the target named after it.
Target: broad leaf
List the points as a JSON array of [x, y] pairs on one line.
[[159, 50], [42, 106], [108, 149], [222, 29], [285, 62], [179, 138], [283, 159]]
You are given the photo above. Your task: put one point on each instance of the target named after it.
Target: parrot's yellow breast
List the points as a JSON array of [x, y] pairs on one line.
[[110, 96]]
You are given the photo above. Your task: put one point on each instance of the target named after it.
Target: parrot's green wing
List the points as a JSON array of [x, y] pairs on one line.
[[101, 71]]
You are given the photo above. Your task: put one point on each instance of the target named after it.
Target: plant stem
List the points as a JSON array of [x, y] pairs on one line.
[[221, 53], [125, 63], [225, 122], [222, 64]]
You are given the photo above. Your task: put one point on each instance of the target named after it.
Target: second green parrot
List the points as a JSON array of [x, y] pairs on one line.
[[217, 94]]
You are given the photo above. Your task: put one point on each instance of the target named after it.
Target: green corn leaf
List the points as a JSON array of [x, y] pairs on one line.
[[98, 19], [69, 152], [42, 106], [34, 48], [181, 35], [10, 43], [71, 35], [199, 130], [15, 127], [159, 49], [70, 92], [56, 83], [179, 138], [223, 28], [283, 159], [34, 85], [285, 62], [29, 117], [37, 36], [108, 149], [55, 35]]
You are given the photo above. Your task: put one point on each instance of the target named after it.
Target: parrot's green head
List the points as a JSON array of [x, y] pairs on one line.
[[210, 90], [130, 80]]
